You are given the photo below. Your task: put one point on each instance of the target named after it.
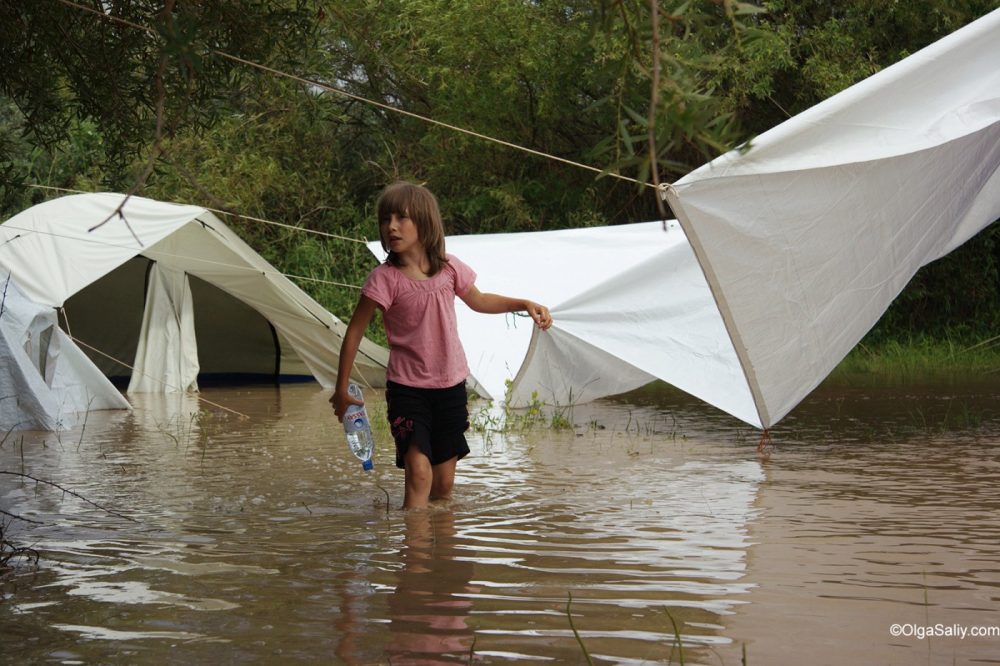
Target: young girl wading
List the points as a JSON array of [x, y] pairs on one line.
[[415, 289]]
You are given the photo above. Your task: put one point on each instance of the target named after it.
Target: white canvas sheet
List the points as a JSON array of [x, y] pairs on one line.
[[799, 245], [629, 305], [807, 237]]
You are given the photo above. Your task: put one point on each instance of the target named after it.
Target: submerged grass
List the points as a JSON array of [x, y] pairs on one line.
[[916, 359], [569, 616], [677, 635], [678, 642]]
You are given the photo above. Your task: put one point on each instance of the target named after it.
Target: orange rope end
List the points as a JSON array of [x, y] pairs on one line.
[[765, 446]]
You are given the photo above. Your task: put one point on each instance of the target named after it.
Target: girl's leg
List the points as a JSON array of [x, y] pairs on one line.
[[418, 478], [443, 479]]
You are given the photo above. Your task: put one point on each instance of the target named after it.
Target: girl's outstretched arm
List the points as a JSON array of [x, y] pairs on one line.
[[497, 304], [363, 313]]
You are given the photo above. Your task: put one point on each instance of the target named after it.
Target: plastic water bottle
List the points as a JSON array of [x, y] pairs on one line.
[[358, 430]]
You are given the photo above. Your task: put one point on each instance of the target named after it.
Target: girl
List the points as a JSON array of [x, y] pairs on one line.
[[425, 390]]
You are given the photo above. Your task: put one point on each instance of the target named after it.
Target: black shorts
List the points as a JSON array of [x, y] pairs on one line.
[[433, 419]]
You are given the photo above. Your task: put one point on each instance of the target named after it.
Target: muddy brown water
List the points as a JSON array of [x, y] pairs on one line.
[[260, 540]]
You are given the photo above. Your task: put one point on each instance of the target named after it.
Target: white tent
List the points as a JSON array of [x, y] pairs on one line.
[[45, 377], [798, 244], [171, 291]]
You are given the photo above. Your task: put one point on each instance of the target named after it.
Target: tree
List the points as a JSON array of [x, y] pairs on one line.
[[137, 70], [175, 97]]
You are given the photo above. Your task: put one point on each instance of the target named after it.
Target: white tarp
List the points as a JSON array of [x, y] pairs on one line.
[[799, 245], [629, 305], [45, 378], [52, 254], [807, 237]]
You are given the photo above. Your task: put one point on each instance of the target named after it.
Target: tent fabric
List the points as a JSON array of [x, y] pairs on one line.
[[629, 305], [45, 377], [807, 237], [166, 360], [791, 249], [59, 249]]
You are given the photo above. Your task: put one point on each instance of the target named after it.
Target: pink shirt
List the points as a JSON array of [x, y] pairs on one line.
[[419, 317]]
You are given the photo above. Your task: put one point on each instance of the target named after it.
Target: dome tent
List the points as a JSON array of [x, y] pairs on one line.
[[172, 291], [45, 377]]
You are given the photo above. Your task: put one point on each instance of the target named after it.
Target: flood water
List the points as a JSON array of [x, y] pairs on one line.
[[261, 539]]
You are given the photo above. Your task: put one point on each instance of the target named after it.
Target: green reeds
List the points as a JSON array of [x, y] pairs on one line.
[[921, 355], [677, 636], [678, 641], [490, 420]]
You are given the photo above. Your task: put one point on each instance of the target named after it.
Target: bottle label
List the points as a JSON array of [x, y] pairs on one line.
[[356, 417], [355, 423]]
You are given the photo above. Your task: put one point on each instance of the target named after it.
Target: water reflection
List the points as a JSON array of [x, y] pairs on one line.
[[260, 540], [429, 609]]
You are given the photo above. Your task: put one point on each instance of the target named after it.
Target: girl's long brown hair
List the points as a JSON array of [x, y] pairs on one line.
[[417, 202]]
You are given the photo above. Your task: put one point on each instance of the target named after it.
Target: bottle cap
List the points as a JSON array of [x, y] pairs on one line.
[[367, 465]]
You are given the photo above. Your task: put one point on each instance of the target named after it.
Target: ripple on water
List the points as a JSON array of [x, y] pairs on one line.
[[265, 534]]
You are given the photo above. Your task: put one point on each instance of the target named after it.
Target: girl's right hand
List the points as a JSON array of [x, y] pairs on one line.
[[340, 401], [539, 313]]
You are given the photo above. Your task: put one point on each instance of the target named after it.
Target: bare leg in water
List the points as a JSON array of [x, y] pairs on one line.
[[425, 482]]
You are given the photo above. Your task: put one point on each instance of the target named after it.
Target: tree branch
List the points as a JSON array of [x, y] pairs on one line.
[[70, 492], [654, 101]]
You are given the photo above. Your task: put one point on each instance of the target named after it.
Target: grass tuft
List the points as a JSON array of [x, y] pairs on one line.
[[921, 356]]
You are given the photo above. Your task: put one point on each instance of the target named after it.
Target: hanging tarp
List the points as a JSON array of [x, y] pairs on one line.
[[808, 236], [630, 305], [798, 244]]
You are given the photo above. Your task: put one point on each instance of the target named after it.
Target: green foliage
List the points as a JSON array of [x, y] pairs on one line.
[[279, 159], [61, 64], [80, 95], [520, 72], [490, 419], [803, 51]]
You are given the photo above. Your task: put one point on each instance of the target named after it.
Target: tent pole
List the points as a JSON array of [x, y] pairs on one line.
[[727, 317]]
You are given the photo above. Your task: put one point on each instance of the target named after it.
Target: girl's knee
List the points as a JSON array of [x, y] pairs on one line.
[[442, 486], [444, 479], [418, 466]]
